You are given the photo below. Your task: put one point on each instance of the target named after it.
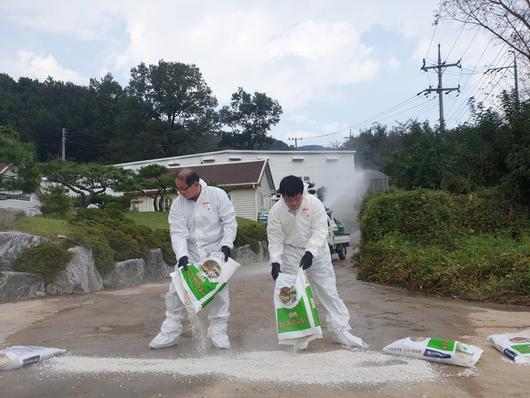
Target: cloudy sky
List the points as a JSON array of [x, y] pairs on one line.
[[332, 65]]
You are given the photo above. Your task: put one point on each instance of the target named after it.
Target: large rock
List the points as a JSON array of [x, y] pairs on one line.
[[245, 255], [155, 267], [79, 276], [15, 286], [8, 217], [12, 243], [128, 273]]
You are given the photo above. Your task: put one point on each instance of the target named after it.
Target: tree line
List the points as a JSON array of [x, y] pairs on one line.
[[492, 150], [166, 109]]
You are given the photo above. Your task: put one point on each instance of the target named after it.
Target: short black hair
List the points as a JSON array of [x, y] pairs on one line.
[[188, 175], [291, 186]]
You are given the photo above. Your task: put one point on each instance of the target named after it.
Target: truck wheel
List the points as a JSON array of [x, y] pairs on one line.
[[341, 251]]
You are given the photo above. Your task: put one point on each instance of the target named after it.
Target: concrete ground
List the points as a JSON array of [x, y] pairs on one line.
[[121, 323]]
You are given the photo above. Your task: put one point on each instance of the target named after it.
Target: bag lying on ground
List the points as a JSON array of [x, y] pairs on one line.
[[199, 285], [19, 356], [451, 352], [515, 346], [296, 314]]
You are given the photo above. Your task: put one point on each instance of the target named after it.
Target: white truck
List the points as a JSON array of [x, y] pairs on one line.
[[338, 241]]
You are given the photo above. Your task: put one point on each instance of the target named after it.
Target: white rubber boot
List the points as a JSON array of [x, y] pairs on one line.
[[345, 338], [169, 333], [217, 333]]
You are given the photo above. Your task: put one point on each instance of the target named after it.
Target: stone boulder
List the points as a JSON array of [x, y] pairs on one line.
[[245, 255], [156, 268], [79, 276], [8, 217], [128, 273], [12, 243], [16, 286]]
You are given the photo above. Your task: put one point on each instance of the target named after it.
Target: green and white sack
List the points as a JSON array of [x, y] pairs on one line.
[[515, 346], [19, 356], [447, 351], [296, 313], [199, 285]]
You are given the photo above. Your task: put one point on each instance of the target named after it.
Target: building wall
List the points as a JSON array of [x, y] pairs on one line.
[[314, 166], [263, 195], [29, 203], [244, 201]]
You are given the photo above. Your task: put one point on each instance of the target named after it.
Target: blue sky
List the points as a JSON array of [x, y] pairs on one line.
[[331, 64]]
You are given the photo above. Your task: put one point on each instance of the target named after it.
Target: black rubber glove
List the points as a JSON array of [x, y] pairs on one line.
[[183, 263], [306, 261], [275, 270], [226, 252]]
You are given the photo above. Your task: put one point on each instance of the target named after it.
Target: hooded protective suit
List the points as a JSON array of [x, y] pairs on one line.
[[197, 229], [290, 235]]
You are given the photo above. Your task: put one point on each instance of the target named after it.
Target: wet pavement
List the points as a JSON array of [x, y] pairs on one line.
[[121, 323]]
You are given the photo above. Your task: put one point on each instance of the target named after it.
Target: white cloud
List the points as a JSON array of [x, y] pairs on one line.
[[40, 67]]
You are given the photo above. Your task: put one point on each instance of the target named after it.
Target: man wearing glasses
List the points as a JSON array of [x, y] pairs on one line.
[[202, 220]]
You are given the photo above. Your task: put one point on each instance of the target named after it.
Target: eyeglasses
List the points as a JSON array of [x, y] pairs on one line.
[[181, 191]]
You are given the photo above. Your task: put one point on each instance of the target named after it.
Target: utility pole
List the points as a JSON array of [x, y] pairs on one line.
[[63, 145], [441, 90], [516, 79], [349, 138], [295, 139]]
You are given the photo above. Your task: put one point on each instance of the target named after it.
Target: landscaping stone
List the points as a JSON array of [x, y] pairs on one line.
[[156, 268], [16, 286], [128, 273], [13, 243], [80, 275], [245, 255]]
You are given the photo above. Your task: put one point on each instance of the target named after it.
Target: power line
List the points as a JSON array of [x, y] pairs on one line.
[[463, 105], [402, 103]]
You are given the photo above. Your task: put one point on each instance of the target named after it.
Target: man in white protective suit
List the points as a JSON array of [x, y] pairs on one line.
[[297, 231], [202, 221]]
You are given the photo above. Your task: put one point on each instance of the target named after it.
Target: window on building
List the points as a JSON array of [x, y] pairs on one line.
[[8, 196], [306, 178]]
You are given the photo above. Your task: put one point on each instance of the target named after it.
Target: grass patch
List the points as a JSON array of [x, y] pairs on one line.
[[153, 219], [43, 226]]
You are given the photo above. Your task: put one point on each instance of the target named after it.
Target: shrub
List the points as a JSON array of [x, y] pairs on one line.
[[47, 259], [250, 233], [481, 266], [54, 202], [121, 203], [421, 215]]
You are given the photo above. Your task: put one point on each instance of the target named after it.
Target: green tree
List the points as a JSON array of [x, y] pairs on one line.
[[87, 180], [155, 182], [21, 160], [249, 118], [176, 91]]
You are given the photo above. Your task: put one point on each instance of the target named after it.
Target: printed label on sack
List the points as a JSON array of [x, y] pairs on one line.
[[309, 293], [31, 360], [523, 349], [442, 344], [293, 319], [288, 295], [198, 284]]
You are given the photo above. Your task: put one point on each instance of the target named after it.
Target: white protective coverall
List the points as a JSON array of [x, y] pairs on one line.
[[290, 236], [199, 228]]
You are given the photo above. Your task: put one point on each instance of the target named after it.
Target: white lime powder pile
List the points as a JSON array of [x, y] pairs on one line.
[[335, 367]]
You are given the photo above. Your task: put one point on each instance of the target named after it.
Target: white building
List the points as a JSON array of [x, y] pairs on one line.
[[250, 186], [314, 166], [28, 203]]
